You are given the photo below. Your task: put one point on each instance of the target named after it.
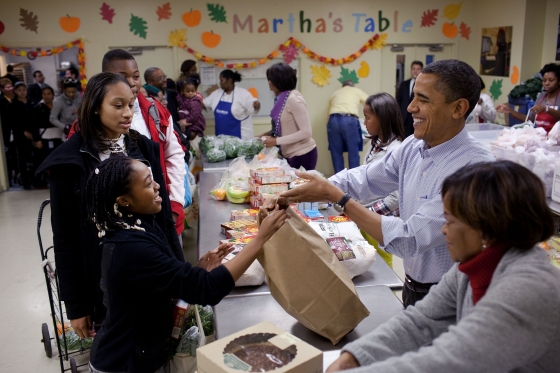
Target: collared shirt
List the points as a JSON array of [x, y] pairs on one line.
[[412, 82], [418, 172], [347, 100]]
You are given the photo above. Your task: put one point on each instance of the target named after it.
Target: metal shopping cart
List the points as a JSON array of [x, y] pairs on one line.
[[63, 336]]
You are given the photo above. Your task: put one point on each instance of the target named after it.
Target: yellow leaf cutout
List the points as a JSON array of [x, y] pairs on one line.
[[451, 11], [363, 71], [380, 42], [321, 75], [177, 37]]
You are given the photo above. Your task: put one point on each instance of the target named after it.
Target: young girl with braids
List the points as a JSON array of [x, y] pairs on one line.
[[140, 274], [104, 116]]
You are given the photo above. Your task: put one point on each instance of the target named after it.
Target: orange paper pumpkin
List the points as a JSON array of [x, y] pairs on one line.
[[192, 18], [210, 40], [514, 75], [69, 24], [450, 30]]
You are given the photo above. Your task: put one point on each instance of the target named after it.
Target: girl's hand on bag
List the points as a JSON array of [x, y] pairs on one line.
[[273, 221], [213, 258], [345, 361], [317, 189], [537, 109]]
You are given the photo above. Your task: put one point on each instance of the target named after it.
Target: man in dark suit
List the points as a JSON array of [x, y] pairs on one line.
[[404, 96], [35, 90], [9, 75]]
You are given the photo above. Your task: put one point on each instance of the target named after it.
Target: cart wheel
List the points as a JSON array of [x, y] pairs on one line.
[[73, 366], [46, 340]]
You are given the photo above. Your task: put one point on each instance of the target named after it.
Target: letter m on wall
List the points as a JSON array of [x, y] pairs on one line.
[[237, 23]]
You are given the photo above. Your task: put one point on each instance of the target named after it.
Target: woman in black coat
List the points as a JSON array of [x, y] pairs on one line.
[[105, 116]]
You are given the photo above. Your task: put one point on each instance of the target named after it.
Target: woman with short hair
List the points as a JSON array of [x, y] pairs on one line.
[[291, 127], [494, 311]]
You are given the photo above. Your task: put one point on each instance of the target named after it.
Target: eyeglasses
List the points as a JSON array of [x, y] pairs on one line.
[[70, 81], [161, 78]]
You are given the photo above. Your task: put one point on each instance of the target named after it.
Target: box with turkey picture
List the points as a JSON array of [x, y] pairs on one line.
[[261, 348]]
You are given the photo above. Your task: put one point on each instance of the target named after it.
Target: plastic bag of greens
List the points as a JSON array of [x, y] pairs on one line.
[[70, 339], [216, 155], [249, 148], [204, 144], [231, 146]]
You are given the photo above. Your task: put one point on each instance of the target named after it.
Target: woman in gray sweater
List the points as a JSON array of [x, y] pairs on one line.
[[494, 311], [65, 106]]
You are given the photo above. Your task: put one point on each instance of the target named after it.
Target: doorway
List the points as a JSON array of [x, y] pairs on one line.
[[398, 58]]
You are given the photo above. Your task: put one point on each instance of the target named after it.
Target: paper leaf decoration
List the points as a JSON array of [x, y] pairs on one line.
[[290, 53], [346, 74], [464, 30], [254, 92], [496, 89], [514, 77], [321, 75], [216, 12], [1, 27], [380, 42], [363, 71], [28, 20], [177, 37], [138, 26], [164, 11], [451, 11], [107, 13], [429, 18]]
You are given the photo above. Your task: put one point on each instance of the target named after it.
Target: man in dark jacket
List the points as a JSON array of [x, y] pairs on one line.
[[9, 75], [405, 96], [35, 90]]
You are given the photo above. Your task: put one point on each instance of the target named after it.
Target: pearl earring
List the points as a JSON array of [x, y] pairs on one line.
[[483, 247]]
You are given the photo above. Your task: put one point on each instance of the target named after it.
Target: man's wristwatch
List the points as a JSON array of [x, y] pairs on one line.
[[339, 206]]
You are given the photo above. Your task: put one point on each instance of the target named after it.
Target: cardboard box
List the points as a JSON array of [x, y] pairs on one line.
[[246, 214], [269, 179], [268, 171], [279, 351], [227, 226]]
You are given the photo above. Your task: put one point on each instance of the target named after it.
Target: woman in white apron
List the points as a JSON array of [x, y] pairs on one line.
[[232, 107]]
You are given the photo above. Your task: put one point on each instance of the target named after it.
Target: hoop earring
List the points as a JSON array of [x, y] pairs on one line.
[[116, 210]]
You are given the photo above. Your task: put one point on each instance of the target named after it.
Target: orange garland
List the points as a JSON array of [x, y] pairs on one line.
[[372, 43], [50, 52]]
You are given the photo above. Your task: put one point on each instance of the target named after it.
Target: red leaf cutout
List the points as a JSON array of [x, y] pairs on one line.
[[107, 13], [164, 11], [290, 53], [464, 30], [429, 18]]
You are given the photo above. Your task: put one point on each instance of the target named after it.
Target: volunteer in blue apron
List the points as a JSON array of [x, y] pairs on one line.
[[232, 107]]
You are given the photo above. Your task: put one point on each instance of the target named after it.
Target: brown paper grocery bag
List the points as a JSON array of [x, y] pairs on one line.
[[308, 281]]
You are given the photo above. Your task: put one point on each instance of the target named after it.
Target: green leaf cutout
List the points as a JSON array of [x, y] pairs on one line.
[[138, 26], [346, 74], [496, 89], [216, 12]]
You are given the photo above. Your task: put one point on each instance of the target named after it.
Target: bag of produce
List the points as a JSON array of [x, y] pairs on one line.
[[324, 299], [70, 338], [216, 155], [231, 146], [250, 148], [219, 191], [238, 191]]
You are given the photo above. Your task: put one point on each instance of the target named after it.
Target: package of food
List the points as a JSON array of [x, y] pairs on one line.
[[270, 179], [242, 232], [308, 295], [344, 229], [239, 241], [339, 219], [247, 214], [261, 348], [179, 317], [256, 201], [230, 225], [268, 188], [266, 171]]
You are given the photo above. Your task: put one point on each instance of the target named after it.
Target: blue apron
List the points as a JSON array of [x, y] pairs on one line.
[[226, 123]]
